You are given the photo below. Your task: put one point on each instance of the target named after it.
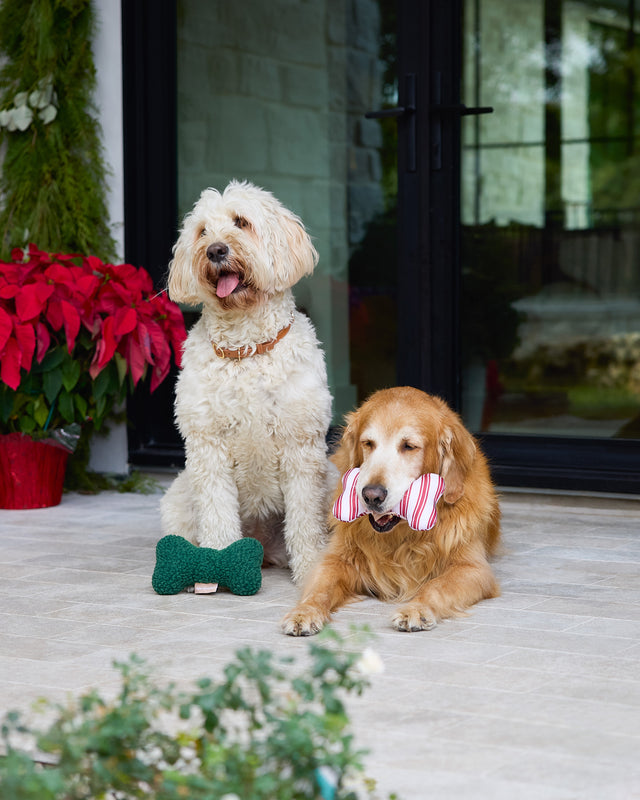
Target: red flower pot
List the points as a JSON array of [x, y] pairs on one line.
[[31, 471]]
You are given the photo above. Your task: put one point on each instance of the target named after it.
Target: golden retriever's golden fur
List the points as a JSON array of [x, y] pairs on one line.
[[394, 437]]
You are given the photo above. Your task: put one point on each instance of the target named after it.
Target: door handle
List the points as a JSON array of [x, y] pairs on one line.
[[383, 113], [461, 109], [408, 111], [437, 109]]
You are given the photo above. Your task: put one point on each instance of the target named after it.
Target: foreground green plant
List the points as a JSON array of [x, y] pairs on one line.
[[263, 732]]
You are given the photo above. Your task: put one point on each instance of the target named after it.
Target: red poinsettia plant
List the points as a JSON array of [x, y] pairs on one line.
[[75, 335]]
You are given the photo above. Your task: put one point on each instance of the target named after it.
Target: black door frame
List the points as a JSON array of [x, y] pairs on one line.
[[150, 132], [429, 62], [149, 68], [428, 209]]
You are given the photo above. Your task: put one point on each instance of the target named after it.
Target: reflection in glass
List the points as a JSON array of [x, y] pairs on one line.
[[551, 212]]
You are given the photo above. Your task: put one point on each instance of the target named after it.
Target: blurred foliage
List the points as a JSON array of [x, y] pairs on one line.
[[263, 731]]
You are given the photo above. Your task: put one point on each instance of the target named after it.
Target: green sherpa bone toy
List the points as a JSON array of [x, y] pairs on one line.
[[180, 564]]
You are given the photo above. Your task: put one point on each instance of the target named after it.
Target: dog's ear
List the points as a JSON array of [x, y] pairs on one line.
[[299, 257], [349, 452], [182, 282], [458, 451]]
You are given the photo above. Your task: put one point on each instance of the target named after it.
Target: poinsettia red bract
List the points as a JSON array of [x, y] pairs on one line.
[[47, 299]]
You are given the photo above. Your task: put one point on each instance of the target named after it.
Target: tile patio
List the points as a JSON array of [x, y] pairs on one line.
[[535, 694]]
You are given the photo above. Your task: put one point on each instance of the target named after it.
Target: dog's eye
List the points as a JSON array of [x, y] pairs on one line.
[[368, 444], [407, 446], [202, 232], [241, 222]]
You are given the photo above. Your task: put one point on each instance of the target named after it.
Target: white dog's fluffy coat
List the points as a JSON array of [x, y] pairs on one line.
[[255, 427]]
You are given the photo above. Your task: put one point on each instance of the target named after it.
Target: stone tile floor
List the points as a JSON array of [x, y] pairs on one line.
[[535, 694]]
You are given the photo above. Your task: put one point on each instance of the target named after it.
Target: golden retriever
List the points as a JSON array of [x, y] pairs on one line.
[[396, 436]]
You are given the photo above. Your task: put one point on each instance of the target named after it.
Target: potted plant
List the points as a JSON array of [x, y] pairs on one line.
[[75, 335]]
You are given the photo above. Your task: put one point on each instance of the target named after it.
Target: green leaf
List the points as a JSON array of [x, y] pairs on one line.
[[51, 361], [104, 383], [71, 371], [7, 398], [66, 406], [52, 383], [101, 404], [121, 366], [40, 412], [28, 424], [81, 405]]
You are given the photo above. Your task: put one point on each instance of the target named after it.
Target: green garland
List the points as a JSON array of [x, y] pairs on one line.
[[52, 183]]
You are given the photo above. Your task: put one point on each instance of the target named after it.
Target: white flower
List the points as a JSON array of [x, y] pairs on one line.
[[43, 99], [237, 726], [21, 118], [369, 663], [43, 95], [150, 757], [16, 118], [48, 114], [188, 753]]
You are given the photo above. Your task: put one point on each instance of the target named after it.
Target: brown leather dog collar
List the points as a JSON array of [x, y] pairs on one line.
[[248, 350]]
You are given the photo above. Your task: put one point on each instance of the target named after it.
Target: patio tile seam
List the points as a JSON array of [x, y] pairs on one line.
[[552, 672], [467, 716], [545, 746], [536, 691], [575, 631]]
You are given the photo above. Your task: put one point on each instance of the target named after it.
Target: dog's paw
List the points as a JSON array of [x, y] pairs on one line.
[[411, 618], [303, 621]]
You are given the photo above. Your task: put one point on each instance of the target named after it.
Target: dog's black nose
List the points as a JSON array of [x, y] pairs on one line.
[[217, 252], [374, 495]]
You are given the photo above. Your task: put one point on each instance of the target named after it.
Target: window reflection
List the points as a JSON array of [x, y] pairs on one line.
[[550, 211]]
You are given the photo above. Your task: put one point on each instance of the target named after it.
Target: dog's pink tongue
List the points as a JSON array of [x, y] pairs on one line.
[[227, 283]]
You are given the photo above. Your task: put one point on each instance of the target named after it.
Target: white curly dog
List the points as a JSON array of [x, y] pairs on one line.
[[252, 401]]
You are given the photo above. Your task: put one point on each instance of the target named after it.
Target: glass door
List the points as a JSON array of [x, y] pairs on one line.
[[551, 218], [276, 93], [550, 240]]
